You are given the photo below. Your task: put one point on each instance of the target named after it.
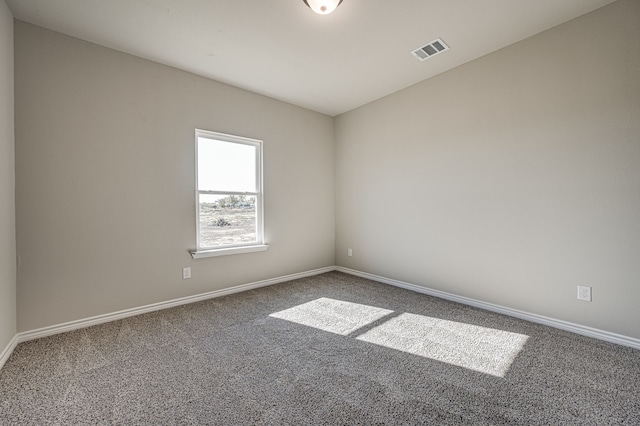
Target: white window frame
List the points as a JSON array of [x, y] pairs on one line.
[[259, 244]]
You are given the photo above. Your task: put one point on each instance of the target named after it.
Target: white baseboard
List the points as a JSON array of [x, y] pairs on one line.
[[99, 319], [539, 319], [6, 353]]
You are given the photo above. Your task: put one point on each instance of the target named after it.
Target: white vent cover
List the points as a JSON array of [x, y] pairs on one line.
[[431, 49]]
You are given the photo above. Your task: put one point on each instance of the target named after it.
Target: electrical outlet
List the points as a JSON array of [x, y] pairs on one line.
[[349, 252], [186, 273], [584, 293]]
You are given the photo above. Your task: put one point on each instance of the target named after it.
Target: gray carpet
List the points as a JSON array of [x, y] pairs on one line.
[[329, 349]]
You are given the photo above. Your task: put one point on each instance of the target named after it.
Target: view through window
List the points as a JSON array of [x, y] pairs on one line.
[[229, 191]]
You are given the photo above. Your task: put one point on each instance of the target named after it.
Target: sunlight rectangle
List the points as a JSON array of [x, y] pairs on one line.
[[470, 346], [334, 316], [487, 350]]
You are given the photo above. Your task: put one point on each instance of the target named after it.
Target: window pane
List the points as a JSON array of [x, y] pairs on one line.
[[226, 166], [227, 220]]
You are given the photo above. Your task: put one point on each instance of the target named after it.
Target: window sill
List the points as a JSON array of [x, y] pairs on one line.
[[227, 251]]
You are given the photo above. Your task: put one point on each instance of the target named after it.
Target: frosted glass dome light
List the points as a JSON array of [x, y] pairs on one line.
[[323, 7]]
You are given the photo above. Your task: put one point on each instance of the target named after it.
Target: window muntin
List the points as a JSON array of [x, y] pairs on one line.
[[229, 191]]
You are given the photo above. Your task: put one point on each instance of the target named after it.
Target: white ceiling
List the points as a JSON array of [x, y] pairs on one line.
[[280, 48]]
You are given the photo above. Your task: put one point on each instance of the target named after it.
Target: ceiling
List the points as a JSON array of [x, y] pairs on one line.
[[280, 48]]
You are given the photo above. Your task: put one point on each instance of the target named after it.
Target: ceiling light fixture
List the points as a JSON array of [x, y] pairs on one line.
[[322, 7]]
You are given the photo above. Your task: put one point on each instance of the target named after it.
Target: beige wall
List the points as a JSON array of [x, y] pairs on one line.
[[7, 183], [511, 179], [105, 180]]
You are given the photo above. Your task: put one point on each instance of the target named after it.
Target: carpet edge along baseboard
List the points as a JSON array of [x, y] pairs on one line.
[[99, 319]]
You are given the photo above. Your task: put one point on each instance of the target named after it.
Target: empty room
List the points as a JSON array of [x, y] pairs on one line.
[[320, 212]]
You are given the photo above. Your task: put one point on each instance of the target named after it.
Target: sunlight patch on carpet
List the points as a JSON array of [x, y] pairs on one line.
[[334, 316], [487, 350], [482, 349]]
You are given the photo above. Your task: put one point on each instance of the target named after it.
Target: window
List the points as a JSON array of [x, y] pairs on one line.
[[229, 194]]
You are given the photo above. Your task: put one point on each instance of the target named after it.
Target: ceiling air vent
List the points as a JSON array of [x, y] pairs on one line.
[[431, 49]]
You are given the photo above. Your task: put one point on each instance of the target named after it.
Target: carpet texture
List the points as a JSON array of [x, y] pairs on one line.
[[329, 349]]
